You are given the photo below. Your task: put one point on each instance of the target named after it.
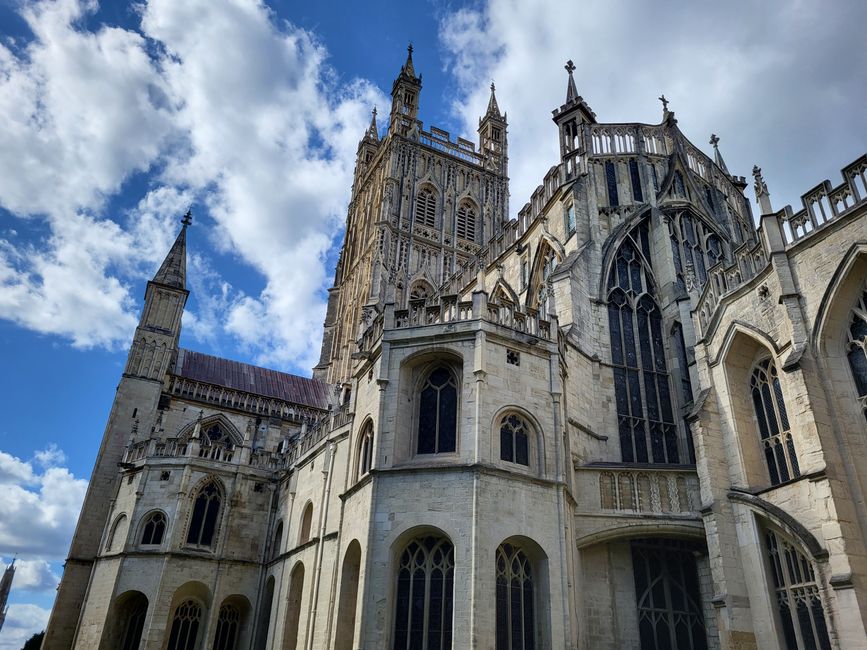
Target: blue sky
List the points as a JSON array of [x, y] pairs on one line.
[[117, 116]]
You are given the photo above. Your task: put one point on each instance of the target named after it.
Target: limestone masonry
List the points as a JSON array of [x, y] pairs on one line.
[[626, 419]]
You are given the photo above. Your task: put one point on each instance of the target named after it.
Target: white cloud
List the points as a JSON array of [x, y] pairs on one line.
[[783, 84], [22, 622], [32, 575], [51, 456], [258, 129], [39, 509]]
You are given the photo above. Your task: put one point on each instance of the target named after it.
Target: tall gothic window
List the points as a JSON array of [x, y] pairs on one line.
[[277, 542], [154, 529], [549, 263], [635, 177], [645, 418], [438, 413], [425, 586], [426, 207], [773, 423], [185, 626], [796, 596], [611, 184], [217, 444], [228, 622], [365, 450], [465, 228], [133, 618], [206, 511], [857, 349], [516, 626], [117, 535], [669, 600], [694, 247], [306, 524], [514, 440]]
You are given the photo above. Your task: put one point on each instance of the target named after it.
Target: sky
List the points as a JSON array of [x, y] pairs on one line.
[[119, 116]]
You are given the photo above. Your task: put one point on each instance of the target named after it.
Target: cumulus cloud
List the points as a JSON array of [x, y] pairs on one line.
[[782, 84], [40, 506], [32, 575], [22, 622], [258, 130]]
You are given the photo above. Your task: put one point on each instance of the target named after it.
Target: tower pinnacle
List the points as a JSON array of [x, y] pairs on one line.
[[173, 270], [717, 156], [571, 90], [5, 588], [493, 107], [762, 195]]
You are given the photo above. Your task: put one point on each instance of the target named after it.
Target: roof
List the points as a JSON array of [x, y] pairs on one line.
[[252, 379]]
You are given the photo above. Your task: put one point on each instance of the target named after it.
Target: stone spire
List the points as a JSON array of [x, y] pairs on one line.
[[762, 195], [5, 588], [717, 156], [372, 132], [173, 271], [408, 69], [493, 108], [571, 90]]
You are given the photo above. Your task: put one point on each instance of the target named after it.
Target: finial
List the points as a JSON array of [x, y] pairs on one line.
[[374, 112], [493, 88], [664, 103], [714, 140], [409, 48], [188, 217], [571, 91], [570, 67], [762, 195]]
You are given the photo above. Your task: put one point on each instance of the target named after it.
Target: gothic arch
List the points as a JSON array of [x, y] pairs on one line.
[[210, 523], [421, 288], [149, 519], [547, 246], [204, 423], [503, 288], [612, 246], [126, 621], [538, 459], [363, 449], [842, 292], [117, 534], [741, 328], [691, 530]]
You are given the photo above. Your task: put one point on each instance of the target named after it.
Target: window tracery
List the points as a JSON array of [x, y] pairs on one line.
[[515, 598], [425, 586], [185, 626], [228, 622], [773, 421], [644, 407], [365, 450], [796, 595], [695, 248], [154, 529], [514, 440], [465, 226], [206, 510], [437, 419], [425, 207], [857, 349]]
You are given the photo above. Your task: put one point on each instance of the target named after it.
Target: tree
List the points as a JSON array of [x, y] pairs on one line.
[[34, 642]]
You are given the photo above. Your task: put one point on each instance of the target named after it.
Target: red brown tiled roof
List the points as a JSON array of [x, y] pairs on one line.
[[252, 379]]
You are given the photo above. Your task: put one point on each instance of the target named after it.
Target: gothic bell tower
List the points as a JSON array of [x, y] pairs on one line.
[[405, 93]]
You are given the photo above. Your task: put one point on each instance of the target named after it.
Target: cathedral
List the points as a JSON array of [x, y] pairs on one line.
[[635, 416]]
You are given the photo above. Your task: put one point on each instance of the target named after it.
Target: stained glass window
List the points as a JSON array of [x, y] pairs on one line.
[[669, 600], [514, 440], [438, 412], [516, 629], [645, 416], [857, 349], [635, 177], [203, 522], [774, 429], [426, 207], [611, 183], [695, 249], [796, 596], [569, 220], [185, 626], [425, 586], [228, 621], [154, 528]]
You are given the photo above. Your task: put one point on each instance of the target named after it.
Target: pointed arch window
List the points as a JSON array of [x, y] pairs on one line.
[[611, 184], [773, 421], [154, 529], [134, 625], [695, 249], [438, 413], [465, 227], [117, 534], [206, 512], [644, 407], [365, 450], [228, 622], [185, 626], [857, 349], [425, 586], [796, 595], [216, 444], [516, 625], [514, 440], [420, 291], [426, 207]]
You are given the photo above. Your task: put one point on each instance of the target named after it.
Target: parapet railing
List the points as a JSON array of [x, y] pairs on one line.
[[222, 453], [825, 203], [644, 489], [239, 400], [439, 140]]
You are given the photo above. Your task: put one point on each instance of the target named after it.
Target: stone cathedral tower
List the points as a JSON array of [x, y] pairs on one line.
[[627, 418]]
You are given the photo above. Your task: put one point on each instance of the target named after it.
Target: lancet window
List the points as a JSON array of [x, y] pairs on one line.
[[796, 595], [154, 529], [228, 622], [217, 444], [516, 620], [365, 450], [857, 349], [437, 416], [644, 407], [206, 512], [426, 207], [514, 440], [773, 421], [465, 228], [611, 184], [185, 626], [695, 249], [425, 586], [668, 595]]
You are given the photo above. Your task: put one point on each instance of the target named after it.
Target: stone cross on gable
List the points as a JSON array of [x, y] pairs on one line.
[[714, 140], [570, 67], [188, 217], [664, 102]]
